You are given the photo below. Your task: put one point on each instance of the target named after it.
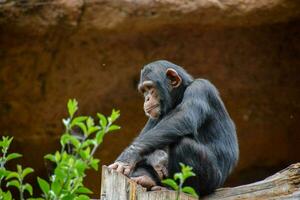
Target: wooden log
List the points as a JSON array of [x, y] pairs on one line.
[[282, 185]]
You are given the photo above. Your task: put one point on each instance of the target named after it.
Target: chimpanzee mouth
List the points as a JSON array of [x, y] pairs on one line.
[[151, 108]]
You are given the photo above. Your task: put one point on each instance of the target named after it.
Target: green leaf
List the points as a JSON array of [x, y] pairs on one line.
[[78, 120], [26, 171], [102, 120], [188, 174], [13, 183], [70, 161], [74, 141], [93, 129], [50, 157], [114, 127], [8, 141], [186, 171], [19, 169], [80, 166], [3, 172], [28, 187], [185, 168], [12, 175], [82, 197], [88, 142], [99, 136], [190, 190], [57, 156], [55, 187], [72, 107], [69, 197], [65, 155], [82, 126], [94, 164], [64, 139], [171, 183], [13, 156], [114, 115], [84, 190], [85, 154], [90, 122], [181, 165], [59, 173], [178, 176], [6, 195], [44, 185]]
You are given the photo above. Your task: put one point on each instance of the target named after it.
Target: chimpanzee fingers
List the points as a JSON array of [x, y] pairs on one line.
[[127, 171], [120, 168], [113, 166]]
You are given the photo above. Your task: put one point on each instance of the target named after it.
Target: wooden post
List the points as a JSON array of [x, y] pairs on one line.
[[282, 185], [116, 186]]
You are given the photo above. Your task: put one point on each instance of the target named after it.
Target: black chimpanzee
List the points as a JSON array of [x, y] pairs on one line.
[[188, 123]]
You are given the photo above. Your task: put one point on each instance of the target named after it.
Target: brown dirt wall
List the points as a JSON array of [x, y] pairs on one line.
[[256, 70]]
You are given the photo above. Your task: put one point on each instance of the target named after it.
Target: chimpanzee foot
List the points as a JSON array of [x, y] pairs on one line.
[[158, 188], [144, 181]]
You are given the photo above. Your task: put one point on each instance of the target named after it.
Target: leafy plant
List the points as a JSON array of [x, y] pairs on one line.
[[15, 179], [79, 143], [186, 172], [76, 154]]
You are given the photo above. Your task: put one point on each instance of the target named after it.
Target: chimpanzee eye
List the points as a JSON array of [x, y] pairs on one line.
[[142, 90], [145, 93]]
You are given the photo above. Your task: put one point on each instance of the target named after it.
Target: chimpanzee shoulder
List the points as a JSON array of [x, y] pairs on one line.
[[201, 91], [202, 85]]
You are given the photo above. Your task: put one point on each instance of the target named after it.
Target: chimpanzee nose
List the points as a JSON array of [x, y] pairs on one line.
[[147, 98]]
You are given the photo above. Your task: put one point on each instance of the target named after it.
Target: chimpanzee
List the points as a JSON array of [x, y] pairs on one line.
[[188, 123]]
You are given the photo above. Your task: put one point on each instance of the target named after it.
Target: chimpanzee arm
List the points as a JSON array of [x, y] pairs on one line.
[[149, 125], [182, 121]]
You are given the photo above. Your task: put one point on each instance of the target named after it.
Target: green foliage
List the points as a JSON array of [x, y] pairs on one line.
[[16, 179], [67, 180], [13, 178], [71, 162], [186, 172], [5, 195]]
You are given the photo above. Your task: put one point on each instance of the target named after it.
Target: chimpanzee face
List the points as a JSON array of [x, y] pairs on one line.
[[152, 104], [152, 100]]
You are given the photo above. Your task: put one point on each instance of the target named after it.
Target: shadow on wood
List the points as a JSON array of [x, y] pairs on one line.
[[282, 185]]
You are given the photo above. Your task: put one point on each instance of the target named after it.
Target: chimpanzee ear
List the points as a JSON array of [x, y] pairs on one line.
[[173, 77]]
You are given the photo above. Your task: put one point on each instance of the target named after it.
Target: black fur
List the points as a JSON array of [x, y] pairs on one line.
[[194, 125]]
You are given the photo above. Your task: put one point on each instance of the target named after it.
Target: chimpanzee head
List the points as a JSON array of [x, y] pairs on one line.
[[163, 84]]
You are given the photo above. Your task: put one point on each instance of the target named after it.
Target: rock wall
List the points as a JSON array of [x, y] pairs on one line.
[[51, 52]]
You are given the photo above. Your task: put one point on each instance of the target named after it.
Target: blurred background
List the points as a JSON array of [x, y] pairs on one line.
[[93, 50]]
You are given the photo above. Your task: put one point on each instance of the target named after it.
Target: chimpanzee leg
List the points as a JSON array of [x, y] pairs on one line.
[[152, 169], [145, 175], [188, 151]]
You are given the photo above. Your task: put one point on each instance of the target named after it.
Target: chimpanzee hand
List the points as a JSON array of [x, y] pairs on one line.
[[126, 162], [124, 168]]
